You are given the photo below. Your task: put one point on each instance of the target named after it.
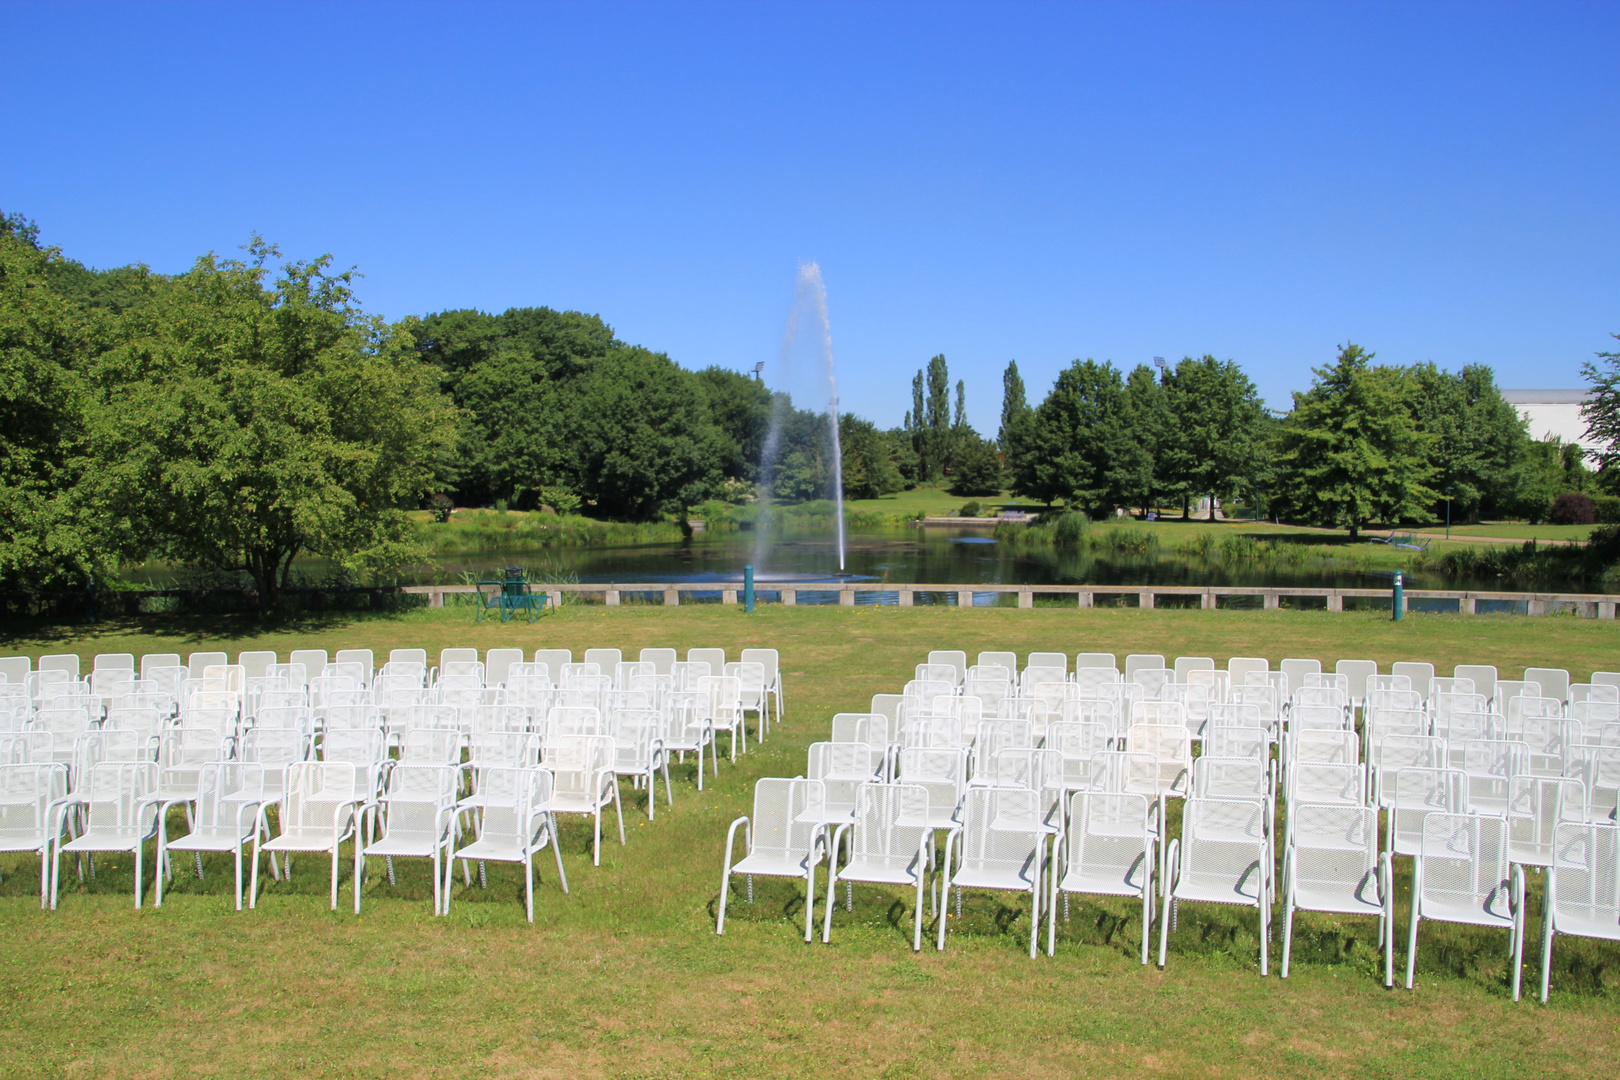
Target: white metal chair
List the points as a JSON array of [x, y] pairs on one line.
[[1332, 864], [1107, 850], [229, 795], [638, 752], [1461, 875], [583, 782], [1224, 858], [890, 843], [317, 814], [1001, 844], [413, 819], [514, 822], [1537, 806], [123, 816], [30, 812], [1583, 889], [785, 837]]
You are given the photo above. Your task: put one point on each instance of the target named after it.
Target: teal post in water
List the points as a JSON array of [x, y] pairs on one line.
[[748, 588], [1399, 602]]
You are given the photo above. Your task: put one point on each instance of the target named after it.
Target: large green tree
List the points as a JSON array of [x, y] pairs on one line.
[[1350, 452], [1147, 418], [1602, 415], [244, 422], [1479, 445], [1077, 452], [1215, 439]]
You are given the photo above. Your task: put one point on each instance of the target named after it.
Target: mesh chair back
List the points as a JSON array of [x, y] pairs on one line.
[[116, 792], [1324, 783], [1536, 807], [27, 791], [1465, 867], [1335, 848], [785, 819], [1002, 831], [1223, 845], [1109, 836], [890, 822], [1586, 871], [1418, 794]]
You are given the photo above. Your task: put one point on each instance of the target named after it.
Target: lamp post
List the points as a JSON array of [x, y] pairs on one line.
[[759, 367], [1448, 511]]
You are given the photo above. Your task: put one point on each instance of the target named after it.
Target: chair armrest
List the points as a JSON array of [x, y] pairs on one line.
[[731, 833]]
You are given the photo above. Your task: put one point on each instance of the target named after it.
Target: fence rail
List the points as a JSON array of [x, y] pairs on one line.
[[1467, 602]]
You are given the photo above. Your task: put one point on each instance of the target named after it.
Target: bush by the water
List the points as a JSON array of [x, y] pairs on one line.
[[1572, 508], [969, 509]]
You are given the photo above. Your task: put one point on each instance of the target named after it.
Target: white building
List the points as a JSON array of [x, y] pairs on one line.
[[1554, 412]]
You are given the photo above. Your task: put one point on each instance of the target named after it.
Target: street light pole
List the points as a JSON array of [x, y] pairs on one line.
[[1448, 512]]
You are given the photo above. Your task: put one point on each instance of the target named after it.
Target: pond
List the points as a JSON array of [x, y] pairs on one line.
[[910, 554]]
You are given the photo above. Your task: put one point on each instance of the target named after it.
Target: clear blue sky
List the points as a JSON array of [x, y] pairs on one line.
[[990, 181]]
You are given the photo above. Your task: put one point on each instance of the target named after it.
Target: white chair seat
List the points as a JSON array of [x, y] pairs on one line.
[[879, 873], [1335, 901], [1593, 924], [106, 840], [1103, 884], [212, 839], [1465, 908], [771, 866], [1218, 888], [971, 878]]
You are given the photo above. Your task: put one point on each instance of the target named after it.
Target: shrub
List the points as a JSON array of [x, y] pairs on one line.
[[1069, 529], [1572, 508], [969, 509], [1606, 509], [440, 505]]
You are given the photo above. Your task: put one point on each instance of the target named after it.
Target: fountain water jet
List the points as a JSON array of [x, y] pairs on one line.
[[808, 315]]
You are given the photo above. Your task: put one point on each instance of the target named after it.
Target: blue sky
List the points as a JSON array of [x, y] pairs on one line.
[[991, 181]]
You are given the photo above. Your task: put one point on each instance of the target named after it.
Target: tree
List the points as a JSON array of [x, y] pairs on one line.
[[1076, 452], [1350, 452], [1147, 418], [1602, 415], [243, 425], [49, 534], [1015, 417], [978, 469], [643, 437], [1216, 446], [1477, 439], [870, 471]]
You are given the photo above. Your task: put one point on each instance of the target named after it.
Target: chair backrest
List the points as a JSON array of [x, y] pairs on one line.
[[660, 659], [1524, 705], [1405, 700], [1322, 782], [869, 728], [1229, 741], [1090, 680], [1606, 678], [27, 790], [954, 657], [113, 662], [497, 662], [1171, 746], [1230, 778], [503, 750], [1357, 672], [940, 673], [1008, 660], [198, 663], [408, 656], [1444, 704], [1265, 697], [1554, 682], [1483, 676], [1002, 833], [116, 791], [1109, 836], [1586, 875], [514, 800], [1238, 668], [1335, 851], [314, 789], [554, 659], [274, 748], [1598, 768], [1419, 672], [1142, 662], [1464, 861], [314, 660], [1185, 665], [1223, 840], [1536, 807], [608, 659], [715, 658], [430, 747], [1297, 669], [226, 794], [15, 669], [1324, 747], [363, 657], [1418, 794], [1595, 714], [1384, 683], [890, 822], [67, 662], [786, 813], [1584, 692]]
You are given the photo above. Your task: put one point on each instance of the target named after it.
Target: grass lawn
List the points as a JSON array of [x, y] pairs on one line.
[[930, 500], [1515, 531], [624, 977]]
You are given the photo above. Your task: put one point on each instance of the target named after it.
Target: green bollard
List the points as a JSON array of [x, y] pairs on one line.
[[1399, 602], [748, 589]]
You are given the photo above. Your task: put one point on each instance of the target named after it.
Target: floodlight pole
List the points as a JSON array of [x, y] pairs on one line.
[[1448, 512]]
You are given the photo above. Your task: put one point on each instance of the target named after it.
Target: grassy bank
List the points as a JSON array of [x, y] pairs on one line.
[[624, 977]]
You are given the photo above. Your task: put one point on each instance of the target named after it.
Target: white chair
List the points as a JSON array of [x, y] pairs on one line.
[[317, 814], [661, 659], [638, 752], [1356, 671], [942, 773], [413, 819], [1106, 850], [1553, 682], [1224, 858], [1537, 806], [785, 837], [1142, 662], [954, 657], [123, 816], [229, 795], [1583, 889], [890, 842], [1419, 792], [1420, 673], [1332, 864], [583, 782], [30, 812], [514, 822], [1598, 769], [1001, 844], [1461, 875]]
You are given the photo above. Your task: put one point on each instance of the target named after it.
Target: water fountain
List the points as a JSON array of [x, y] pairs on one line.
[[808, 317]]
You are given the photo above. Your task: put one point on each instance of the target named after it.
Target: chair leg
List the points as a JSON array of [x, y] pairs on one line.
[[139, 875], [556, 850], [1411, 944], [1288, 937], [1546, 955], [618, 810], [809, 903], [335, 875], [238, 877], [596, 844], [528, 883], [1164, 929]]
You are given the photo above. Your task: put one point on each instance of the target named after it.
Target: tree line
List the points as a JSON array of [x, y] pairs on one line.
[[248, 412]]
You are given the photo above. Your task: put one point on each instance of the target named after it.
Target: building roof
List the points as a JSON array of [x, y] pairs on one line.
[[1546, 397]]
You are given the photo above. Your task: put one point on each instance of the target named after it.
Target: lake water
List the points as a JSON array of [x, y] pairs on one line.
[[910, 554]]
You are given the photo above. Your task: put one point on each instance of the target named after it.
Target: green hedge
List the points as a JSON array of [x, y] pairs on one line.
[[1608, 509]]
